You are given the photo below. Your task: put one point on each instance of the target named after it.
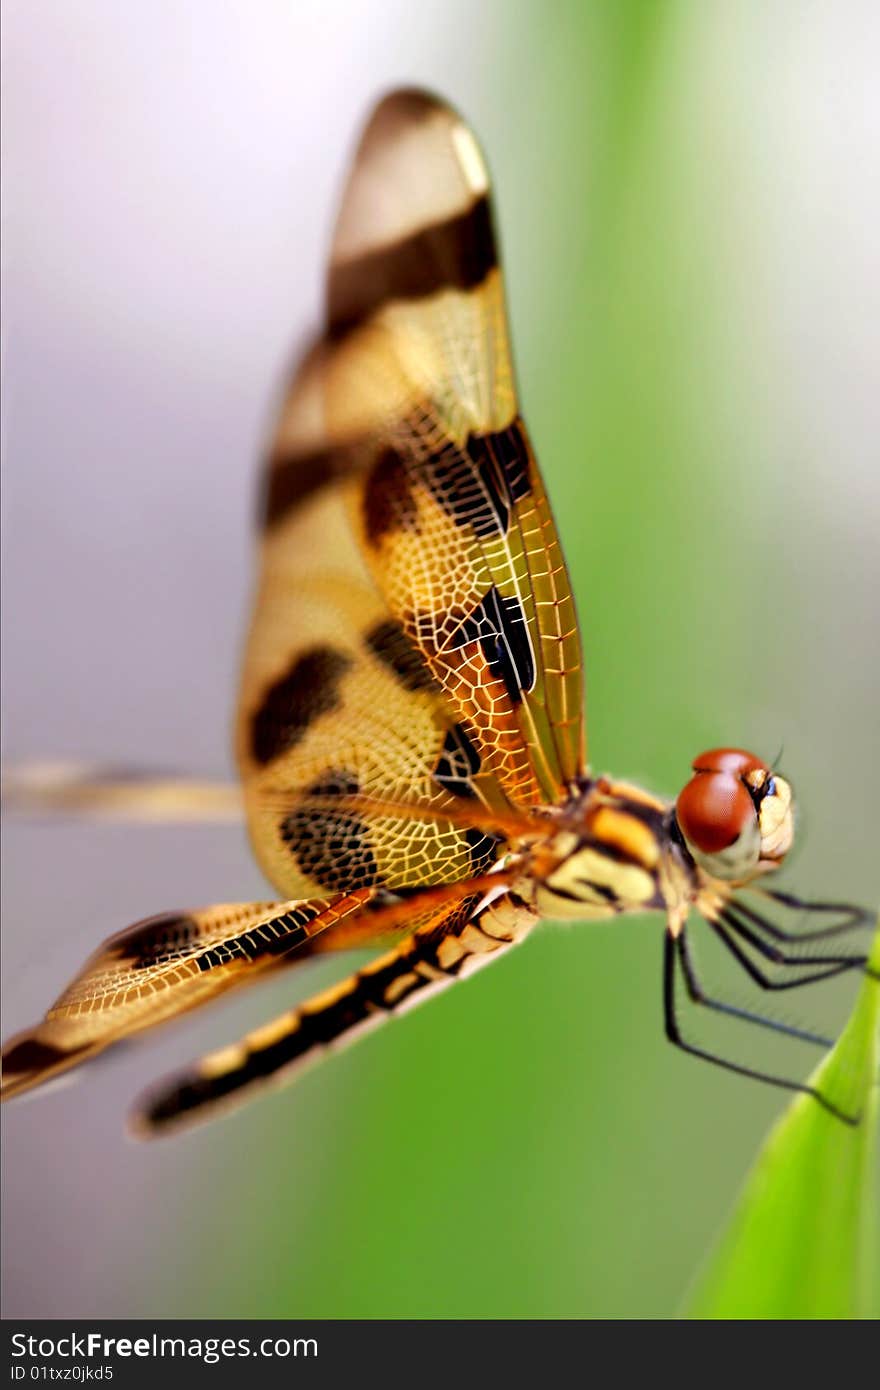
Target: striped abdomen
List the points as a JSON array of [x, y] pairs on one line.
[[414, 970]]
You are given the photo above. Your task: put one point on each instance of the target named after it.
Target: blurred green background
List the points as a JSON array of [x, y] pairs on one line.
[[685, 213]]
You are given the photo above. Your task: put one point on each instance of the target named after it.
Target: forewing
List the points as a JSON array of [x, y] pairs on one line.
[[414, 638], [451, 509], [337, 704]]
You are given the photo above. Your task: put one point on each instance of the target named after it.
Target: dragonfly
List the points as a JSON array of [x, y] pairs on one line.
[[410, 728]]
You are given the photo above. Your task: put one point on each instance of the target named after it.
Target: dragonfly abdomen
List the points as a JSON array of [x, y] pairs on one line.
[[425, 962]]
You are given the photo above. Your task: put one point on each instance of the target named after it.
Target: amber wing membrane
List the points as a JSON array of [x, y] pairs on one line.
[[167, 965], [412, 684], [177, 961], [414, 641]]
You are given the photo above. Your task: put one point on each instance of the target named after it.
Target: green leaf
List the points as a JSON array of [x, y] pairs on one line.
[[803, 1240]]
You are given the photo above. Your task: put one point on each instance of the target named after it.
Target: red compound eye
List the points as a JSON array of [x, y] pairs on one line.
[[736, 761], [714, 809]]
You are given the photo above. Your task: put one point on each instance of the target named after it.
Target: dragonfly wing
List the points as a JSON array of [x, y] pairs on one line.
[[414, 637], [453, 516], [160, 968], [174, 962], [337, 704]]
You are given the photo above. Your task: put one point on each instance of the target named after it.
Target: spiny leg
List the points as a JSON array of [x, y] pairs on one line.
[[721, 927], [673, 1032], [734, 914], [853, 917], [699, 996]]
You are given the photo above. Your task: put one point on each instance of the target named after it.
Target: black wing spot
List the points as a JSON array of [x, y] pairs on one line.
[[499, 625], [457, 253], [390, 644], [388, 502], [459, 761], [273, 938], [292, 481], [331, 847], [158, 938], [511, 453], [310, 688], [480, 486], [32, 1055], [483, 849]]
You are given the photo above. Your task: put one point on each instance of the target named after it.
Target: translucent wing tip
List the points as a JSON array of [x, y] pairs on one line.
[[417, 163]]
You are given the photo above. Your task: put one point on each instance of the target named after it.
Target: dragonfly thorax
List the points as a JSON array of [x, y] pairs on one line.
[[615, 851]]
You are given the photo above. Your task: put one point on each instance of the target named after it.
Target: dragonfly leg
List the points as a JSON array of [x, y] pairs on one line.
[[734, 920], [722, 928], [699, 996], [671, 962], [851, 920]]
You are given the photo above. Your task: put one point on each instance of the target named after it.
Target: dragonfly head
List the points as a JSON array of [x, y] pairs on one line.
[[736, 815]]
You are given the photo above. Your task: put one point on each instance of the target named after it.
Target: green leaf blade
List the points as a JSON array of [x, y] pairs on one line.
[[803, 1240]]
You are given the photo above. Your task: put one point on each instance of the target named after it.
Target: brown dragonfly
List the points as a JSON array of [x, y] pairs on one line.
[[410, 731]]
